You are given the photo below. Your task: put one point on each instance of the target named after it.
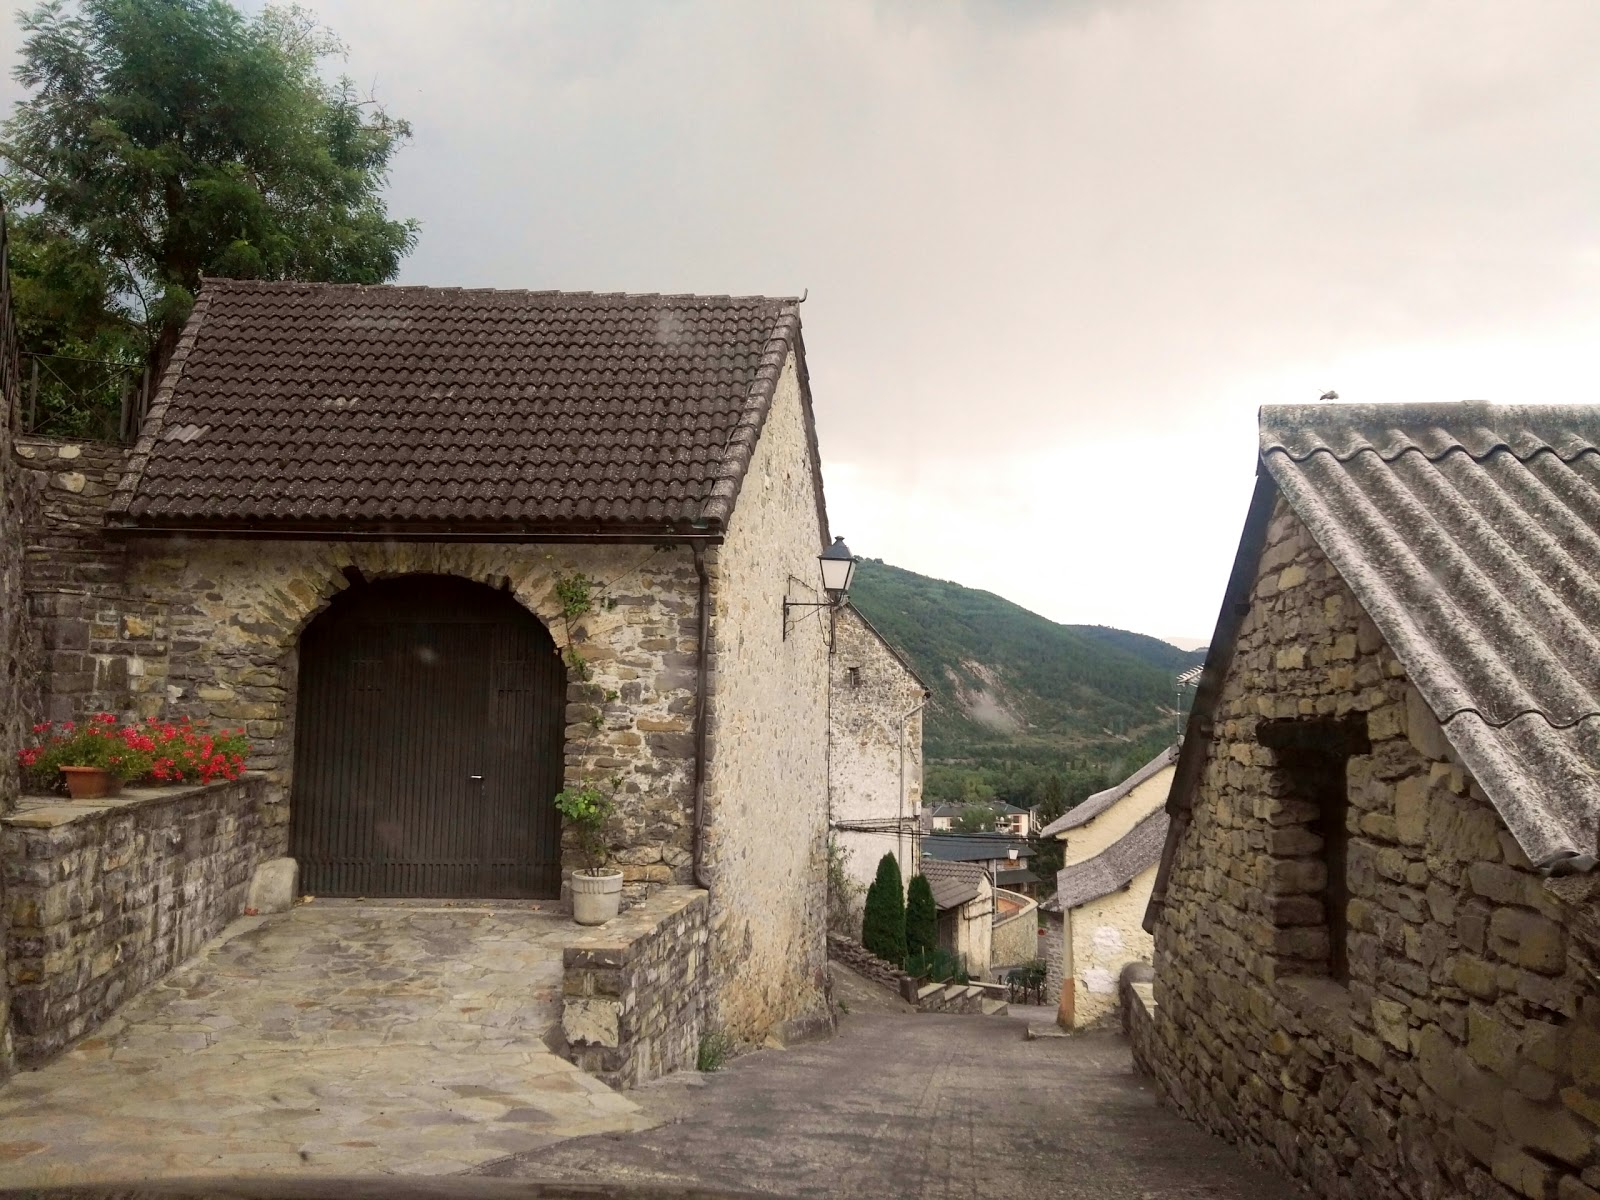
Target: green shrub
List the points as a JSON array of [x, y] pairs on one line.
[[883, 925], [938, 966], [715, 1049], [922, 918]]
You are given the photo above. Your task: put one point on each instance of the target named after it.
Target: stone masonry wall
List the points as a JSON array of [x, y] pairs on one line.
[[210, 628], [767, 776], [1054, 945], [636, 991], [104, 649], [106, 897], [1463, 1056], [871, 691]]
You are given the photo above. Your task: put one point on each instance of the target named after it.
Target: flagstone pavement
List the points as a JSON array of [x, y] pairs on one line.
[[339, 1038]]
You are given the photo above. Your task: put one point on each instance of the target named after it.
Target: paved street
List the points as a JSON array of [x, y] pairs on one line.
[[337, 1038], [904, 1105]]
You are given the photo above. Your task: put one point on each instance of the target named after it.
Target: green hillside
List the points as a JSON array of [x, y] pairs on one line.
[[1017, 694]]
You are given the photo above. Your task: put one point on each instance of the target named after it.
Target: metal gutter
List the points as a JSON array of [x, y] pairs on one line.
[[438, 533]]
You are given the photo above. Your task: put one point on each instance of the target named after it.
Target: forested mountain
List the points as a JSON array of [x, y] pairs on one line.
[[1015, 695]]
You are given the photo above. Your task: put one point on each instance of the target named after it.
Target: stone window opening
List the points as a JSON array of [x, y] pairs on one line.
[[1311, 763], [854, 675]]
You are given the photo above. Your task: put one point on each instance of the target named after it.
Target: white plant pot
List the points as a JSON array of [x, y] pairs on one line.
[[596, 898]]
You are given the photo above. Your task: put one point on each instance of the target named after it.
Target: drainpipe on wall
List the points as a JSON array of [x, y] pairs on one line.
[[704, 635], [899, 828]]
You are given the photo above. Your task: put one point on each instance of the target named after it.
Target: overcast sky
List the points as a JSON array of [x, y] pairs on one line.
[[1056, 253]]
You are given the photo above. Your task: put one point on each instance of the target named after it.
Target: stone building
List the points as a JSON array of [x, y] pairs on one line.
[[1375, 918], [963, 895], [1111, 846], [443, 552], [874, 752]]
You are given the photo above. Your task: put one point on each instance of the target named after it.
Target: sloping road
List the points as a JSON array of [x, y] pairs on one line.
[[903, 1105]]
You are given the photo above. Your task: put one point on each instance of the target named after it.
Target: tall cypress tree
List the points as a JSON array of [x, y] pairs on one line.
[[883, 926], [922, 918]]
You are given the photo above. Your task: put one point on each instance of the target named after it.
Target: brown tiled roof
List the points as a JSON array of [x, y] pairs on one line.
[[952, 883], [290, 405]]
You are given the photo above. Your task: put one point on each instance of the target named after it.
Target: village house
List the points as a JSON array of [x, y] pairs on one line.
[[964, 898], [444, 552], [1003, 858], [1111, 843], [874, 753], [1005, 818], [1375, 917]]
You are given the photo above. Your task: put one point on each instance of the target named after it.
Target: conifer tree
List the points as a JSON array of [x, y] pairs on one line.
[[922, 918], [883, 926]]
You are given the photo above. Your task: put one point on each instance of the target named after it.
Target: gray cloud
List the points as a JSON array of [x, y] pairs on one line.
[[1056, 253]]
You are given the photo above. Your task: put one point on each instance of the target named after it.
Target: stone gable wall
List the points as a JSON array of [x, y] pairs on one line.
[[766, 792], [104, 898], [1463, 1056], [871, 693]]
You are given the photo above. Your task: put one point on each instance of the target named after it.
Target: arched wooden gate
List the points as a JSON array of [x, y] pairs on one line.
[[428, 744]]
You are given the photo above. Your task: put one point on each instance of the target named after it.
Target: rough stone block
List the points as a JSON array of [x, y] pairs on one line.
[[274, 886]]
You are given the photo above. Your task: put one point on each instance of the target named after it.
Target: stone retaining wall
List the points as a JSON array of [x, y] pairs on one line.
[[105, 897], [637, 990], [1460, 1056], [869, 966], [1015, 940]]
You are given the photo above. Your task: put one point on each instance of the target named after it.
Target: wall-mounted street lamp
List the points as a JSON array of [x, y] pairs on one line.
[[838, 569]]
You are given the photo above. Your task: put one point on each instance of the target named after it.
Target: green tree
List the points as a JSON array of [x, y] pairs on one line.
[[166, 140], [974, 818], [883, 925], [1048, 852], [922, 918]]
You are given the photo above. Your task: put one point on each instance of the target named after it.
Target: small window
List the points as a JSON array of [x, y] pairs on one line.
[[855, 676], [1312, 760]]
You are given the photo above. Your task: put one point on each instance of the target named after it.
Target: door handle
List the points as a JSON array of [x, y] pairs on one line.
[[475, 778]]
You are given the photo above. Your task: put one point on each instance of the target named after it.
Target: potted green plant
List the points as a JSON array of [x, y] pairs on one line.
[[596, 890]]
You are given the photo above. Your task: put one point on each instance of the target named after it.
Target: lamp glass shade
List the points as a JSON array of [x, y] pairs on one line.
[[838, 567]]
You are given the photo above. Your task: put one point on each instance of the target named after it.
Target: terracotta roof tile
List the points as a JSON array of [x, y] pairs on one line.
[[291, 403]]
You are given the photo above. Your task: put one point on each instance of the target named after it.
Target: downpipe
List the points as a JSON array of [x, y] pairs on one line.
[[703, 610]]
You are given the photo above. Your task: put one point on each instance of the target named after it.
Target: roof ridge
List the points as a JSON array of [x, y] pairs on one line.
[[228, 283], [1399, 452]]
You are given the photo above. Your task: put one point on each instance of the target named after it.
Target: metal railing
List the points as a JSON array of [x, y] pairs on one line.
[[97, 399]]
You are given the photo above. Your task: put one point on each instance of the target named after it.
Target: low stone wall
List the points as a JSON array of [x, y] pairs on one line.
[[637, 990], [105, 897], [1053, 944], [868, 965], [1137, 995], [1015, 941]]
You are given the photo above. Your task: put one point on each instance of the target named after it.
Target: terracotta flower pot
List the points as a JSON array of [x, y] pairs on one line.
[[86, 783]]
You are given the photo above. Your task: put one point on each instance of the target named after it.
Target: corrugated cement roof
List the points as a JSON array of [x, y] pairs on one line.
[[1471, 535], [1081, 814], [1116, 866]]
